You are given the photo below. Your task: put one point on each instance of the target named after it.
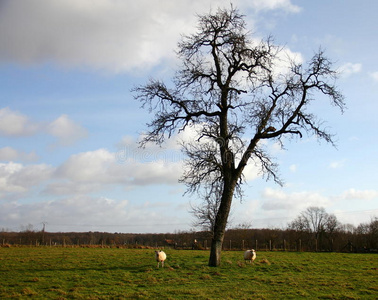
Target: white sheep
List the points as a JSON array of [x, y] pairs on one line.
[[160, 256], [250, 255]]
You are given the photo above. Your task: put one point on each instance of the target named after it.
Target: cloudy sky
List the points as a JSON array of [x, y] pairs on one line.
[[69, 123]]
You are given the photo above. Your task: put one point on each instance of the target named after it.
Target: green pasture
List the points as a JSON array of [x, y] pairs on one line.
[[115, 273]]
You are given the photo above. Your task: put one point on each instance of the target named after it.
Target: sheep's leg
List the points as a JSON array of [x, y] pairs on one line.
[[158, 265], [162, 264]]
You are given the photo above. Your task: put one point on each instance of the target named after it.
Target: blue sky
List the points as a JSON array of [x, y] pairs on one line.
[[69, 123]]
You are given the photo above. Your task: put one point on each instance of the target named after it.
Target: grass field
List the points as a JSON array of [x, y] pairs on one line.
[[112, 273]]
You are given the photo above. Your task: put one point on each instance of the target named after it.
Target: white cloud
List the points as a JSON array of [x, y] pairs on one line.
[[103, 34], [159, 172], [115, 35], [374, 75], [67, 131], [6, 171], [11, 154], [337, 164], [76, 210], [31, 175], [348, 69], [67, 187], [89, 213], [277, 207], [251, 171], [13, 123], [129, 150], [285, 5], [275, 199], [86, 172], [89, 166], [353, 194], [18, 178], [278, 199], [97, 170]]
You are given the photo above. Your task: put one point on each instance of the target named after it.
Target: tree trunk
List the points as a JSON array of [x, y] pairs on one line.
[[220, 225], [215, 253]]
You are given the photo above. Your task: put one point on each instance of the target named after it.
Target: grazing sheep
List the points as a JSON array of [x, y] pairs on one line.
[[250, 255], [160, 256]]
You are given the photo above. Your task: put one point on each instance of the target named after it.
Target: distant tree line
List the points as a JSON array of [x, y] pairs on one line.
[[313, 230]]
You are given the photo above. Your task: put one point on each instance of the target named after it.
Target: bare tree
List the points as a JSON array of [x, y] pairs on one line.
[[370, 230], [316, 222], [373, 233], [206, 212], [300, 224], [316, 218], [229, 90], [331, 227]]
